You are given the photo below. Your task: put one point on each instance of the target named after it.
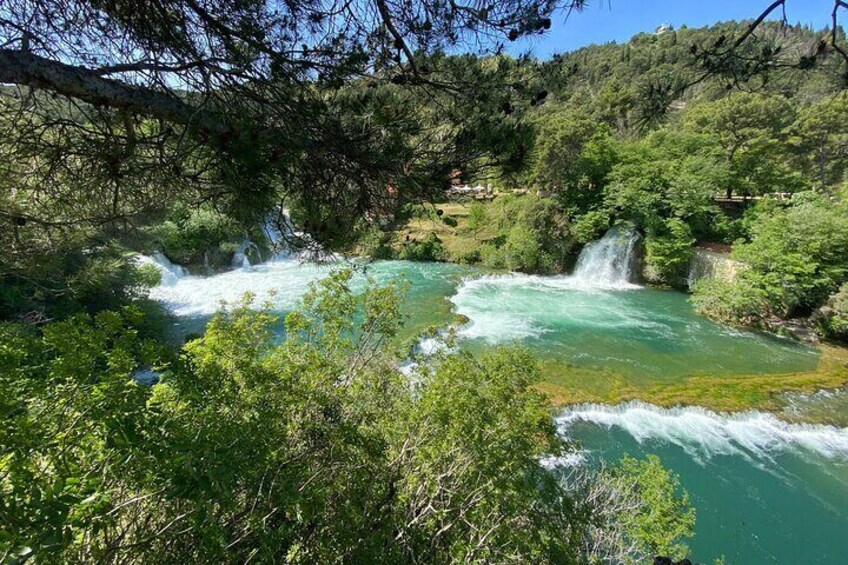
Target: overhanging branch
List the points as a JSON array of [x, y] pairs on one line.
[[27, 69]]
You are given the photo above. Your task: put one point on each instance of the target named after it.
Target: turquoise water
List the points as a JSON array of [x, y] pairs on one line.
[[766, 491], [650, 335]]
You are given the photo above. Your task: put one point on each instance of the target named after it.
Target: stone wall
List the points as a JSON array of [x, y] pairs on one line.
[[711, 265]]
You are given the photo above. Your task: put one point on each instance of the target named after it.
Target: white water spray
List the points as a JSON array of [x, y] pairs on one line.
[[704, 434], [610, 261], [502, 308]]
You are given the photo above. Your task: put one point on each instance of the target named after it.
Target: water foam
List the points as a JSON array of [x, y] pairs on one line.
[[282, 283], [169, 272], [516, 307], [704, 434]]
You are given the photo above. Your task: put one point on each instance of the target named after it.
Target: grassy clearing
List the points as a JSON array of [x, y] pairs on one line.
[[571, 385], [458, 240]]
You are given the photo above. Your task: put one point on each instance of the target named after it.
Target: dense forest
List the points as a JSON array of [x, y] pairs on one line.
[[187, 128]]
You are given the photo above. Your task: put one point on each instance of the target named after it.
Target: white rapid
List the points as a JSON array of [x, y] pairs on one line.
[[169, 272], [280, 282], [503, 308], [610, 261], [704, 434]]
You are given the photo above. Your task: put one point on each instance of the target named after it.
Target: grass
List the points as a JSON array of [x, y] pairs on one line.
[[727, 394], [458, 240]]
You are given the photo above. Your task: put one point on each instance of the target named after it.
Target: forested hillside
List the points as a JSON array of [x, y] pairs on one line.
[[637, 133]]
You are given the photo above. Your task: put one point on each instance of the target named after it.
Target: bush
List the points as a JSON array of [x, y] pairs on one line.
[[72, 280], [667, 252], [374, 244], [589, 226], [832, 318], [476, 216], [428, 249], [352, 463], [522, 251], [736, 303], [187, 236], [491, 256], [466, 257], [797, 254]]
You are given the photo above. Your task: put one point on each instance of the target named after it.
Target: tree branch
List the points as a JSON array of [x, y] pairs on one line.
[[28, 69]]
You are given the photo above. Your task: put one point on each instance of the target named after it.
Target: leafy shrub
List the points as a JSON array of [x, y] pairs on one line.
[[374, 243], [522, 251], [428, 249], [589, 226], [667, 252], [797, 254], [734, 303], [832, 318], [187, 236], [466, 256], [334, 439], [491, 256], [476, 216], [72, 280]]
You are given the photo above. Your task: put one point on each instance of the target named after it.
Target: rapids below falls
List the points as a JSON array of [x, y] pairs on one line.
[[766, 491]]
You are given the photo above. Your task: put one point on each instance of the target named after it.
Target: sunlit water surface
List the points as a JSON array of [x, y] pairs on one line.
[[766, 491]]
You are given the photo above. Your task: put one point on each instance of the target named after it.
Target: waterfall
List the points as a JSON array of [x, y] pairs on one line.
[[240, 259], [287, 242], [610, 261], [169, 272]]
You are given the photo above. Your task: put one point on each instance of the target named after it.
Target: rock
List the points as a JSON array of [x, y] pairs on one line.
[[663, 561], [708, 264]]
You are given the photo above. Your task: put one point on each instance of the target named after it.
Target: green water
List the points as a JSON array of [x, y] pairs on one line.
[[649, 335], [762, 495], [765, 493]]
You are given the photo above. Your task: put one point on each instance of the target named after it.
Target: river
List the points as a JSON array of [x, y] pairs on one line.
[[766, 491]]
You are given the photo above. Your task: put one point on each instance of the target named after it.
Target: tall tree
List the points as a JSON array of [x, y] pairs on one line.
[[823, 132], [236, 101], [749, 128]]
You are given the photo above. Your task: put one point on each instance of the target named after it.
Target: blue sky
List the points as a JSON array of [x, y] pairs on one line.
[[619, 20]]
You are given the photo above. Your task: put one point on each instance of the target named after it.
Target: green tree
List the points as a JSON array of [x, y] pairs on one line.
[[665, 515], [667, 251], [313, 449], [522, 251], [823, 135], [749, 128], [476, 217], [572, 157], [796, 255]]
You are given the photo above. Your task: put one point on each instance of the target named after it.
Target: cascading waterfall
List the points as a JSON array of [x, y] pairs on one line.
[[610, 261], [169, 272], [240, 259]]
